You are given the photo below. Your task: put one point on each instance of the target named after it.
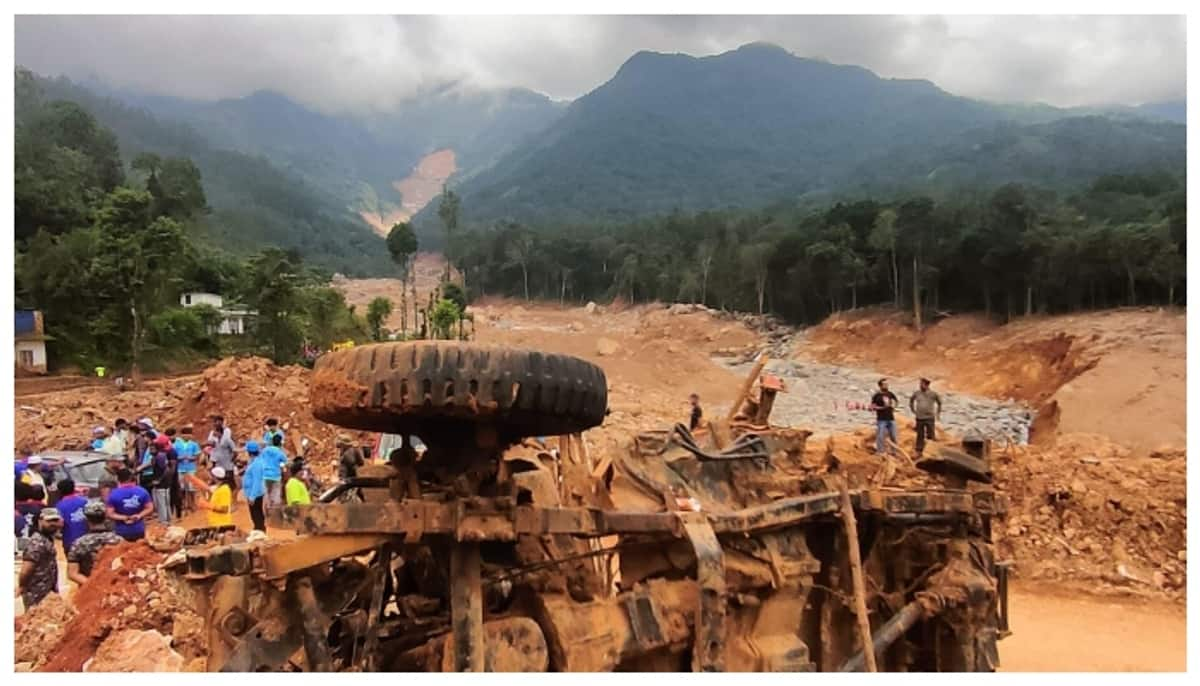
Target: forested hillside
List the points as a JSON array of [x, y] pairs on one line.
[[1006, 250], [253, 202], [357, 159], [759, 125], [110, 232]]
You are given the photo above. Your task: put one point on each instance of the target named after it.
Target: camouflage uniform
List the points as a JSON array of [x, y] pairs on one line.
[[88, 546], [44, 580]]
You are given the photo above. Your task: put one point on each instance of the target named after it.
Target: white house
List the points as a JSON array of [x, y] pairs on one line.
[[30, 342], [233, 318]]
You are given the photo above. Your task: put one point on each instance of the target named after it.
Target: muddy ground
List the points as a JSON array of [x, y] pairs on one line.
[[1098, 527]]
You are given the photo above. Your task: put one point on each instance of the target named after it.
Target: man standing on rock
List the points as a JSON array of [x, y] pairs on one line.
[[926, 406], [39, 562], [82, 554], [884, 404], [223, 447]]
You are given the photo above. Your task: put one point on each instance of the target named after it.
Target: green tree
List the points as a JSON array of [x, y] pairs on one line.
[[136, 260], [274, 292], [520, 250], [443, 317], [455, 294], [883, 239], [378, 311], [402, 245], [448, 209]]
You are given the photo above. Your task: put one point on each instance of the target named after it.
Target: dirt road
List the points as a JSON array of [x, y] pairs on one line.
[[1059, 632]]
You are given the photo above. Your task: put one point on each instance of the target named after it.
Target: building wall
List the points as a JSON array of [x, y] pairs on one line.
[[232, 326], [38, 348], [192, 299]]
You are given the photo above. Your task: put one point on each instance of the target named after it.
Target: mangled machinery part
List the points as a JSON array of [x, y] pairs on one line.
[[493, 551], [887, 634], [511, 644], [957, 464]]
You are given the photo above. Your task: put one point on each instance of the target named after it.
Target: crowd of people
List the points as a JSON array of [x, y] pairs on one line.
[[149, 476]]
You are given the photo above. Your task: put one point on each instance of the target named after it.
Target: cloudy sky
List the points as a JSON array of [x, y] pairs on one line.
[[358, 63]]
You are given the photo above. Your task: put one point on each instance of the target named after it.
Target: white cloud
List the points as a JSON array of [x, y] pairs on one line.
[[356, 63]]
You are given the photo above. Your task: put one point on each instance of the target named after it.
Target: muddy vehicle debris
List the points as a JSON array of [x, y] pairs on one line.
[[499, 550]]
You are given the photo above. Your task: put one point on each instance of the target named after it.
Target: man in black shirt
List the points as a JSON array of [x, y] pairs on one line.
[[884, 403], [697, 413]]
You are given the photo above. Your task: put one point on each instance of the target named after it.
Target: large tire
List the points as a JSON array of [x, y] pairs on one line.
[[401, 387]]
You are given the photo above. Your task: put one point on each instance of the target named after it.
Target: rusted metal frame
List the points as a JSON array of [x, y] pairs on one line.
[[383, 570], [707, 653], [887, 634], [313, 624], [279, 561], [744, 391], [854, 555], [257, 652], [454, 519], [479, 522], [466, 607]]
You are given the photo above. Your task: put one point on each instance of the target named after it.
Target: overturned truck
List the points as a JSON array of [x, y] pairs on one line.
[[729, 549]]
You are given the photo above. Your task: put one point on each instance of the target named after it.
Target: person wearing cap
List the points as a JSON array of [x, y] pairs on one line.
[[271, 431], [29, 504], [39, 561], [99, 435], [221, 440], [33, 473], [926, 406], [187, 451], [128, 506], [162, 476], [351, 458], [82, 554], [70, 506], [254, 486]]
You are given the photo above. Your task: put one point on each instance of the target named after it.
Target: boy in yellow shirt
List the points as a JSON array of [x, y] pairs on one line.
[[296, 490]]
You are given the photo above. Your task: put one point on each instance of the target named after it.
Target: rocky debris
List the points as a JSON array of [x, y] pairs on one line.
[[832, 398], [41, 627], [131, 650], [607, 347], [246, 390], [1085, 509], [127, 590], [592, 308]]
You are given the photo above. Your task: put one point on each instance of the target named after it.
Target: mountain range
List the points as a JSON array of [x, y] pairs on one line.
[[749, 127]]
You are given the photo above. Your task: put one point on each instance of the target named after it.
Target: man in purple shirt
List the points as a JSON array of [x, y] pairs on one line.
[[70, 506], [128, 506]]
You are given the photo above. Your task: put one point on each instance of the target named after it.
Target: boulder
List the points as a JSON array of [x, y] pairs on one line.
[[606, 347], [131, 650]]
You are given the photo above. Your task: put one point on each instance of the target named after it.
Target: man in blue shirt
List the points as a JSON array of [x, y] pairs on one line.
[[254, 486], [128, 506], [70, 506], [274, 460], [187, 451]]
